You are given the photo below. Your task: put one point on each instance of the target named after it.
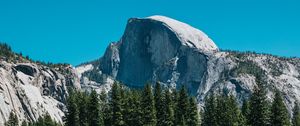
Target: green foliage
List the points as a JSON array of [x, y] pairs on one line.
[[279, 116], [5, 51], [296, 115], [169, 114], [72, 116], [159, 104], [193, 114], [82, 99], [95, 117], [248, 67], [259, 107], [246, 111], [148, 107], [182, 107], [12, 120], [117, 105], [93, 75], [223, 110], [210, 111]]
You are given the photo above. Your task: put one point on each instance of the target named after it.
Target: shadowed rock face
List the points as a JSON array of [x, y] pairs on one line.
[[161, 49], [151, 51]]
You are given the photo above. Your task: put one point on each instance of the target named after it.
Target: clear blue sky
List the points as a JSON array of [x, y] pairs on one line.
[[77, 31]]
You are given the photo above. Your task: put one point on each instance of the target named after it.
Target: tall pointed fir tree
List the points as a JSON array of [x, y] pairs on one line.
[[279, 112], [210, 115], [182, 107], [158, 97], [117, 105], [193, 114], [148, 107], [234, 115], [259, 106], [72, 115], [82, 101], [169, 109], [246, 111], [105, 108], [296, 114], [48, 120], [12, 120], [95, 117]]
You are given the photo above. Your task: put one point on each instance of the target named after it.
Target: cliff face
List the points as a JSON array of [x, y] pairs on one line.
[[161, 49], [31, 90]]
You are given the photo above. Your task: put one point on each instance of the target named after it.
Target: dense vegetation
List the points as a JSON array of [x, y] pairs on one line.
[[128, 107], [162, 107]]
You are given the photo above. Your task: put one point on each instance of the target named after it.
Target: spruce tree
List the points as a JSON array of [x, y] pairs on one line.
[[24, 123], [148, 107], [246, 111], [259, 112], [193, 114], [128, 111], [175, 98], [182, 107], [117, 104], [296, 114], [279, 115], [210, 115], [48, 120], [169, 109], [234, 115], [158, 96], [137, 112], [82, 102], [72, 115], [95, 117], [12, 120], [105, 109]]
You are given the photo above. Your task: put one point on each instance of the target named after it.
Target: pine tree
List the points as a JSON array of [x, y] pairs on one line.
[[24, 123], [182, 107], [175, 97], [246, 111], [117, 104], [105, 109], [279, 116], [210, 115], [12, 120], [39, 122], [193, 114], [128, 111], [234, 115], [148, 107], [259, 112], [72, 115], [48, 121], [296, 115], [158, 96], [95, 117], [169, 109], [82, 100]]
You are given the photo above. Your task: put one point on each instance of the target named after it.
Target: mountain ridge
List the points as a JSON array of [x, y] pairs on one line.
[[149, 52]]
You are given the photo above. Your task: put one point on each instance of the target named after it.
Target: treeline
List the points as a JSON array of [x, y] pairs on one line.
[[222, 110], [162, 107], [45, 120], [128, 107]]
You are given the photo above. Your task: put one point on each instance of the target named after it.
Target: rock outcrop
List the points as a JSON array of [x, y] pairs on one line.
[[162, 49], [30, 90]]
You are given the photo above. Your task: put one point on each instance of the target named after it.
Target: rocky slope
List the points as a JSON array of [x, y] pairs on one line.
[[162, 49], [31, 90]]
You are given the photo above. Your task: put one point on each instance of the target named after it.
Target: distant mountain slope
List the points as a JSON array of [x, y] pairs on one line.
[[162, 49], [31, 89]]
